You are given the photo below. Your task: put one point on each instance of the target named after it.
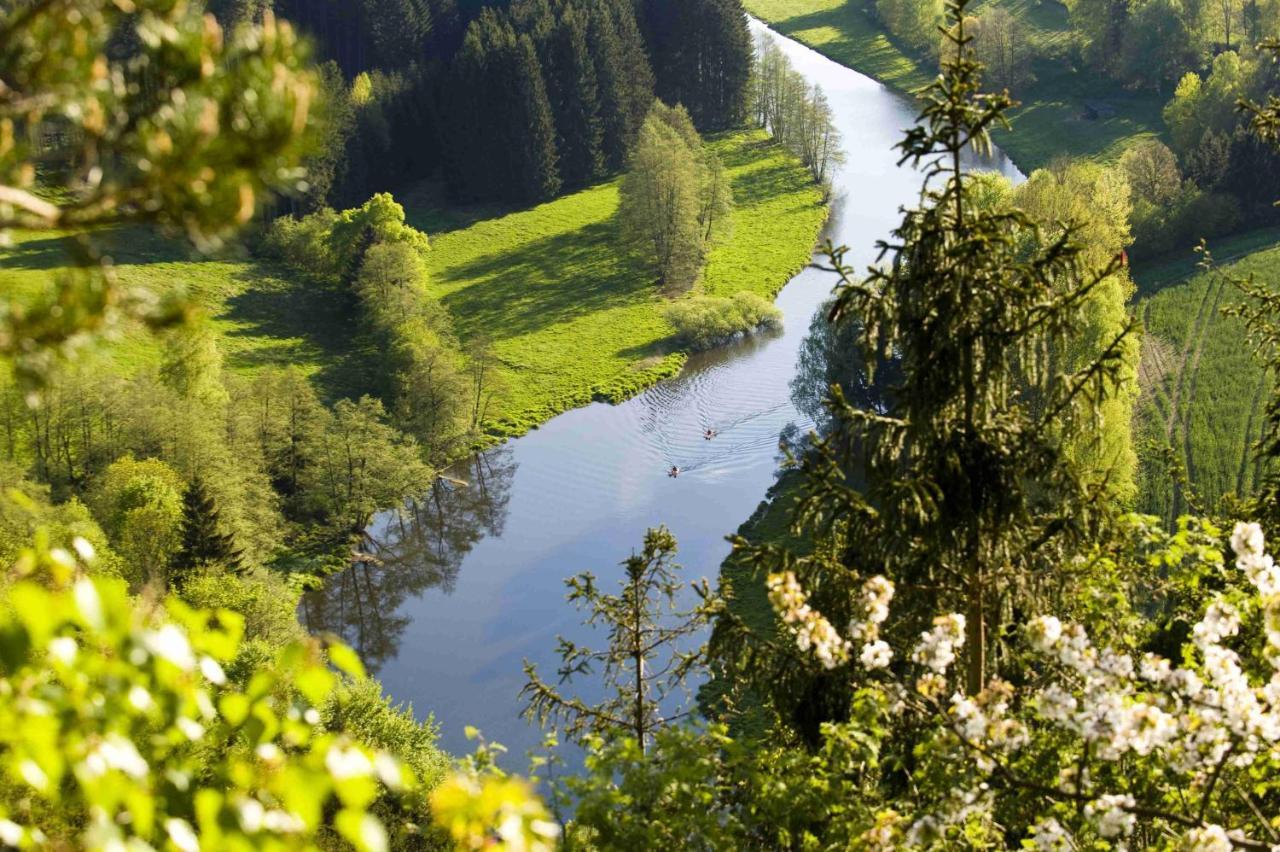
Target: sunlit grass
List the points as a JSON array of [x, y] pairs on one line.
[[261, 313], [1202, 387], [569, 315]]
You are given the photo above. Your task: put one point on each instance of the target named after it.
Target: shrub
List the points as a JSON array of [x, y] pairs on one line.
[[267, 605], [702, 322], [303, 244]]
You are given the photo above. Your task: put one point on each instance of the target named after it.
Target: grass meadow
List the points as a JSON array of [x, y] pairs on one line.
[[1202, 388], [571, 316], [262, 315]]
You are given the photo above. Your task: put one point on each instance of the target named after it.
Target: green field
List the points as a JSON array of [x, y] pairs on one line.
[[1047, 125], [571, 317], [569, 314], [262, 315], [1202, 389]]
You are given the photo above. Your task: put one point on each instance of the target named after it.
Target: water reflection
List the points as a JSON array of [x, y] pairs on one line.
[[406, 553], [592, 480]]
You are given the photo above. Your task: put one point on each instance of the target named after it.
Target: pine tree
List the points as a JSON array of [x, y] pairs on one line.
[[646, 663], [203, 541], [531, 127], [398, 31], [702, 55], [502, 141]]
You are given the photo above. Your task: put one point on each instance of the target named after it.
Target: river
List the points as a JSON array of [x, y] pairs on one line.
[[471, 580]]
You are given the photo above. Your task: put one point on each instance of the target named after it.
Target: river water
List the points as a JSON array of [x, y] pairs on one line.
[[471, 578]]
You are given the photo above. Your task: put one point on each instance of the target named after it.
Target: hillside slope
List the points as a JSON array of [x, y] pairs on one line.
[[1202, 389]]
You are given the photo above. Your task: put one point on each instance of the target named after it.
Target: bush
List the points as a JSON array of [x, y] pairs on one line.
[[702, 322], [268, 606], [143, 741], [360, 710], [1191, 216], [303, 244]]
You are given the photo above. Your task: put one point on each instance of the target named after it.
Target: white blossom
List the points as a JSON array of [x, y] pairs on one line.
[[1212, 838], [1109, 815], [181, 834], [812, 631], [212, 671], [1048, 834], [115, 752], [170, 643], [876, 655], [936, 649], [345, 762], [63, 649], [1247, 540]]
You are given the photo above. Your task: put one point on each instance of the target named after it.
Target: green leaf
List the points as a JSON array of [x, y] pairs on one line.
[[347, 660]]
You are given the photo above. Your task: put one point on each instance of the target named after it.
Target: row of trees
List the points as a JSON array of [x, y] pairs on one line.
[[386, 35], [282, 477], [796, 115], [914, 22], [1001, 43], [543, 97], [550, 94], [701, 52], [1152, 44], [437, 393]]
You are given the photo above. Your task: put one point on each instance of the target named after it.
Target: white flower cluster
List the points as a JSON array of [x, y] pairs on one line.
[[812, 630], [1211, 838], [1263, 573], [1112, 815], [985, 719], [1199, 718], [937, 647], [877, 594]]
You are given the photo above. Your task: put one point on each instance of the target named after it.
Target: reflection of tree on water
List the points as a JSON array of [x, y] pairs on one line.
[[408, 552]]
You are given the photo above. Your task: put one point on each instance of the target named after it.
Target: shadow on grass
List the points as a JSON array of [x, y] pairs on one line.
[[126, 245], [428, 208], [546, 282], [307, 325], [762, 186]]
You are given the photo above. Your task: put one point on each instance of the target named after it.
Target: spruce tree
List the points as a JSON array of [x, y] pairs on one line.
[[203, 541], [473, 153], [623, 75], [575, 100], [531, 126], [960, 487], [648, 658], [702, 55]]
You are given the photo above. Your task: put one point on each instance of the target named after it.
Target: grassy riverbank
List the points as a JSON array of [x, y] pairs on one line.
[[1050, 121], [569, 315]]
